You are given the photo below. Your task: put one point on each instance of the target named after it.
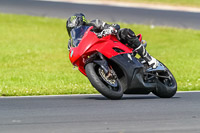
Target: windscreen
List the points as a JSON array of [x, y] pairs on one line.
[[77, 34]]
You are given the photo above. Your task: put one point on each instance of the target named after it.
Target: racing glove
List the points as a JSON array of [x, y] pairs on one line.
[[108, 31]]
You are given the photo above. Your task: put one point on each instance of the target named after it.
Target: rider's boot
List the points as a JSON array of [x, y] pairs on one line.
[[146, 56]]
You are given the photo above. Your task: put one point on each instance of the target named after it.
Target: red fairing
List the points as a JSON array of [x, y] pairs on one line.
[[90, 44], [139, 37]]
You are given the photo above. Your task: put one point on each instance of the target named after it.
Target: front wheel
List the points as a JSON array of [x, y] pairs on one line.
[[166, 84], [109, 86]]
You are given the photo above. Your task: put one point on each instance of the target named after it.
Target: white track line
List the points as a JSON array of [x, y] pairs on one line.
[[128, 4], [75, 95], [43, 96]]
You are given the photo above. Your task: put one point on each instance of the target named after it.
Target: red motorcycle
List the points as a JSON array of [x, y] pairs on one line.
[[113, 69]]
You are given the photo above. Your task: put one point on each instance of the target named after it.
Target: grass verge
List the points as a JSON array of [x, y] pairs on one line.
[[34, 57]]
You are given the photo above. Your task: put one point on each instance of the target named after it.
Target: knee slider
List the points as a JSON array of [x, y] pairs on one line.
[[130, 34]]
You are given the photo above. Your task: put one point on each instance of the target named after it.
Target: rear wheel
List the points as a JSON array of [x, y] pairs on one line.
[[107, 85], [166, 84]]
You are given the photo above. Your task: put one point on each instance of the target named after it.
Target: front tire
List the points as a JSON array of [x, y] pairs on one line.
[[110, 88]]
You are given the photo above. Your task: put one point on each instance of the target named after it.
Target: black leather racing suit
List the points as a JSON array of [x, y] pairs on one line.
[[126, 36]]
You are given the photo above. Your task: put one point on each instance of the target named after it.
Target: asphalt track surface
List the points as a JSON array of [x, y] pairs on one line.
[[96, 114], [106, 13]]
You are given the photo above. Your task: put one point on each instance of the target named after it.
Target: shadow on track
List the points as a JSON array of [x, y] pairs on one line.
[[128, 97]]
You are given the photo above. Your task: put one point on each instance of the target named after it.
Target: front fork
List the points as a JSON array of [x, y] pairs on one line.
[[106, 67]]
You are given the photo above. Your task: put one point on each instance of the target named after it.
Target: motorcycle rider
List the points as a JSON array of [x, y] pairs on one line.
[[124, 35]]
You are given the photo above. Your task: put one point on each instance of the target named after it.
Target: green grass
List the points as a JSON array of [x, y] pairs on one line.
[[34, 56], [191, 3]]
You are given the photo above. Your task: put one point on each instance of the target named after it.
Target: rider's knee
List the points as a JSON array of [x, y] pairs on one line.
[[125, 33], [129, 37]]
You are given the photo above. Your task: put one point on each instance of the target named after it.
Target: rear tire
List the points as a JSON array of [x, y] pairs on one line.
[[112, 91], [166, 87]]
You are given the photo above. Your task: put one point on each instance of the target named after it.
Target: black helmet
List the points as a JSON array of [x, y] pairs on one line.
[[75, 21]]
